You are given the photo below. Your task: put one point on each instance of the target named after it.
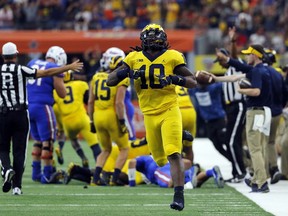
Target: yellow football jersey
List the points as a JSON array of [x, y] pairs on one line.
[[184, 99], [105, 95], [153, 98], [73, 101]]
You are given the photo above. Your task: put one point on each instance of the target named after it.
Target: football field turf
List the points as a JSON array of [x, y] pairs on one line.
[[74, 199]]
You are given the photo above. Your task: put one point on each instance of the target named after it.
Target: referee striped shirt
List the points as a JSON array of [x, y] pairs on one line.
[[230, 88], [13, 78]]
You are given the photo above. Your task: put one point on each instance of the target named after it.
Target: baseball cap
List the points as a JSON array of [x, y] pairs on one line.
[[255, 49], [224, 51], [9, 49]]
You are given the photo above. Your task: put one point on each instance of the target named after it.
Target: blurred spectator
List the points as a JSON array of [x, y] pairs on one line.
[[172, 11], [142, 15], [6, 17], [154, 12], [91, 61], [82, 19], [258, 37]]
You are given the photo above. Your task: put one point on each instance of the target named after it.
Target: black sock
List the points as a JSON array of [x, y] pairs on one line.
[[81, 154], [116, 175], [178, 189], [179, 194], [96, 150], [61, 144], [96, 176]]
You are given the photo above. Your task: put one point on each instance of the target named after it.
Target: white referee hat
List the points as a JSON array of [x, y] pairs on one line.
[[9, 49]]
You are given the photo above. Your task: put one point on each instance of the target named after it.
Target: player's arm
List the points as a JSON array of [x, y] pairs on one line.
[[90, 107], [232, 37], [119, 103], [231, 78], [75, 66], [118, 75], [59, 86], [182, 72]]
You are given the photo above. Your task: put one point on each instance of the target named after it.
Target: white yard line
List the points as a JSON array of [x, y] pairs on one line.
[[274, 202]]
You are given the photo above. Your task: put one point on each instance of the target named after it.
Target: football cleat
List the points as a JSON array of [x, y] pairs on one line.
[[218, 178], [178, 201], [100, 182], [57, 176], [69, 173], [85, 163], [17, 191], [9, 175], [59, 155]]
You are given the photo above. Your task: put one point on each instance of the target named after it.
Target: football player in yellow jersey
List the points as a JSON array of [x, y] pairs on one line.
[[156, 71], [188, 119], [106, 110], [74, 118]]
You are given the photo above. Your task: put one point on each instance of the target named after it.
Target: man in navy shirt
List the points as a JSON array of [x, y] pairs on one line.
[[258, 115]]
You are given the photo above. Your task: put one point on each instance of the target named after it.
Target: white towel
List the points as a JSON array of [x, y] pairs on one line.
[[263, 122]]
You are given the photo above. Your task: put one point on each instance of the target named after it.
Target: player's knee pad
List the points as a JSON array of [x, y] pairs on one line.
[[47, 151], [37, 149]]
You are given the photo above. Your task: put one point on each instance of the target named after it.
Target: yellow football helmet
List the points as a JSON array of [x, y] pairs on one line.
[[115, 62], [153, 37]]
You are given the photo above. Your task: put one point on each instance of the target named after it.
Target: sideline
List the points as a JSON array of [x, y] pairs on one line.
[[274, 202]]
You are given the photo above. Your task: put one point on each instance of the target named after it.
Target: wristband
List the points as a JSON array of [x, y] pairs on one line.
[[122, 121], [123, 73], [178, 80]]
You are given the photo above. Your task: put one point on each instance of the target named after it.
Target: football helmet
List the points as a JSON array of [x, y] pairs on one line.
[[108, 55], [115, 62], [269, 57], [58, 54], [153, 37]]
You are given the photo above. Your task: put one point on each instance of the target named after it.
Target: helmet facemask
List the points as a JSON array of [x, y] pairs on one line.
[[153, 38]]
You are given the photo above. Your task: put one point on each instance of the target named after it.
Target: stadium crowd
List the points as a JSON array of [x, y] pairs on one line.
[[264, 21]]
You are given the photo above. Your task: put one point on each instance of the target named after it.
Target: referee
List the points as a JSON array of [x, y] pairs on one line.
[[14, 118]]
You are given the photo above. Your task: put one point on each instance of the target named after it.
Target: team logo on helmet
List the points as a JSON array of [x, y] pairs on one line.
[[108, 55], [153, 37]]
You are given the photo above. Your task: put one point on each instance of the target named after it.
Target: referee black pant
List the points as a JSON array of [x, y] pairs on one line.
[[14, 126], [235, 124]]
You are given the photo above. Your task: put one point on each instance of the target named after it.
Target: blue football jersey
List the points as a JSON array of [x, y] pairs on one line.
[[40, 90]]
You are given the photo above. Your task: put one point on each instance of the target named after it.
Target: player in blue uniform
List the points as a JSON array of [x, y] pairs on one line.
[[42, 117], [162, 176]]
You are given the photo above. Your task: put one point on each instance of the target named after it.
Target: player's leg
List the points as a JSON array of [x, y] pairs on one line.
[[106, 147], [79, 151], [60, 135], [172, 142], [122, 141], [46, 125], [188, 124], [91, 138]]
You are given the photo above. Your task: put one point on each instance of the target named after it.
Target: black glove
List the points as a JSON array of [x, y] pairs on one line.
[[164, 80], [122, 126], [92, 127], [137, 73]]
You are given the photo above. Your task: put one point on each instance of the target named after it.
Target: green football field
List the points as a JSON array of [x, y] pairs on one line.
[[75, 199]]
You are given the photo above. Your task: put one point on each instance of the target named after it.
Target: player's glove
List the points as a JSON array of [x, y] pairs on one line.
[[122, 126], [164, 80], [92, 127], [137, 73]]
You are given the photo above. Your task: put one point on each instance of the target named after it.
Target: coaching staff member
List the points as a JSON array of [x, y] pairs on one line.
[[14, 118]]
